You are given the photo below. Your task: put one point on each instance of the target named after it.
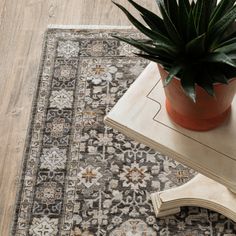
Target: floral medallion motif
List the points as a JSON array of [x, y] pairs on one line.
[[44, 227], [99, 47], [53, 158], [135, 176], [61, 99], [98, 71], [82, 178], [89, 176], [48, 192], [68, 49]]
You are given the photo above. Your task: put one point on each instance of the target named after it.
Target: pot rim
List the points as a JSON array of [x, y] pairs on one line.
[[214, 84]]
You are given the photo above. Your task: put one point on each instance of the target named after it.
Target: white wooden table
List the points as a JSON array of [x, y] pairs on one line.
[[141, 115]]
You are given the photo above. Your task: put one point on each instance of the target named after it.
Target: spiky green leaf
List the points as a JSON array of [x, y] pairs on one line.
[[172, 73], [183, 19], [191, 28], [199, 15], [188, 83], [163, 49], [148, 32], [231, 34], [219, 57], [196, 46], [219, 11], [227, 42], [156, 59], [152, 20], [192, 5], [217, 31], [170, 26], [228, 71], [210, 6], [208, 87], [201, 37], [172, 9], [220, 77], [186, 3], [206, 82], [227, 48]]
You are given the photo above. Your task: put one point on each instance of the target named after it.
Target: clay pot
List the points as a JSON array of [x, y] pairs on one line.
[[207, 113]]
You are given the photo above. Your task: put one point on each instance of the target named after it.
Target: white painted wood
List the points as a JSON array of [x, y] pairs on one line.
[[141, 115], [200, 191]]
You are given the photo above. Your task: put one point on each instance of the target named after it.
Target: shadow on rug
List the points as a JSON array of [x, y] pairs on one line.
[[82, 178]]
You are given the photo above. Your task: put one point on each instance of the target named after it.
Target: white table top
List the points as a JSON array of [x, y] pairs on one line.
[[141, 115]]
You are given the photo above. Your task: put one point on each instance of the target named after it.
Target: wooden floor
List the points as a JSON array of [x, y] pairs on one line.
[[22, 24]]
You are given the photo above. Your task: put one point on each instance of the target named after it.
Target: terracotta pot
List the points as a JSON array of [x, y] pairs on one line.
[[207, 113]]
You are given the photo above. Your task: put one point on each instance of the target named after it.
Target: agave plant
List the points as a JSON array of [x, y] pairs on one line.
[[194, 41]]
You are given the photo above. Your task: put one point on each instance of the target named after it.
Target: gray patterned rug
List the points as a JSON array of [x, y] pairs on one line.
[[81, 178]]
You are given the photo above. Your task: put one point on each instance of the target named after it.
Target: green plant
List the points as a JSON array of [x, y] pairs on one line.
[[194, 41]]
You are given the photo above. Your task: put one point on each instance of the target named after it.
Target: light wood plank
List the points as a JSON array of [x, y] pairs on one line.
[[22, 24]]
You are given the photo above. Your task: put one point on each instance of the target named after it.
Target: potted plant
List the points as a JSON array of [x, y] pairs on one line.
[[194, 45]]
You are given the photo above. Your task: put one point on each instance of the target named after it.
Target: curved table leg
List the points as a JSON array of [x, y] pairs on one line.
[[200, 191]]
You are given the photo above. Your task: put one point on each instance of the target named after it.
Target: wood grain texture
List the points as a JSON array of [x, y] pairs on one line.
[[22, 25]]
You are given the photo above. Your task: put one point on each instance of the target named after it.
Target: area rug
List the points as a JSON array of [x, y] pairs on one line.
[[82, 178]]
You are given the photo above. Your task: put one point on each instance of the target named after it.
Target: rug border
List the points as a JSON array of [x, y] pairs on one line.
[[23, 161], [78, 27]]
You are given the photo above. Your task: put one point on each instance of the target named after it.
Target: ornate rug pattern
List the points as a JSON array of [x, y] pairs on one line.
[[82, 178]]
